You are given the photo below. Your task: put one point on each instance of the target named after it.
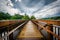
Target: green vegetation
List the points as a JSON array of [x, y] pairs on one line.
[[25, 17], [17, 16], [7, 16], [32, 17], [52, 18], [4, 16]]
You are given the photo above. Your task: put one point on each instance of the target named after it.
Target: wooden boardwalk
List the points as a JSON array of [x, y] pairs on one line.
[[27, 30], [30, 32]]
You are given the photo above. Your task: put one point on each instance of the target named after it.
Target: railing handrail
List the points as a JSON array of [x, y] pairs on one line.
[[13, 30], [48, 30], [56, 26], [48, 24]]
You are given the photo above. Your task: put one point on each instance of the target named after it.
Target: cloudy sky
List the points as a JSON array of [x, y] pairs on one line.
[[38, 8]]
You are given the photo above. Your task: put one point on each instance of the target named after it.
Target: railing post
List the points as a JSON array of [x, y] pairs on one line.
[[11, 35], [50, 27], [59, 32]]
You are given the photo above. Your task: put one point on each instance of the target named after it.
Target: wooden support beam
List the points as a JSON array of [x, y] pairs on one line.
[[50, 36]]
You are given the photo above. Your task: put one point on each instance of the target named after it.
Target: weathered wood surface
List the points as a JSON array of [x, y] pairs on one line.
[[30, 32]]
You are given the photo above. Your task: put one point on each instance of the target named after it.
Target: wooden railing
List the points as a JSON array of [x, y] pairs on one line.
[[8, 34], [55, 22], [9, 22], [52, 30]]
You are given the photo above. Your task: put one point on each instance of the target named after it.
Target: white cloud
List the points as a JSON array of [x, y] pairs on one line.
[[48, 13], [13, 11], [7, 6], [18, 0], [49, 10], [9, 3]]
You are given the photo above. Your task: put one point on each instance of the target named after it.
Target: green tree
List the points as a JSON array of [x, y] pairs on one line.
[[8, 16], [4, 16], [53, 18], [32, 17], [25, 17], [17, 16]]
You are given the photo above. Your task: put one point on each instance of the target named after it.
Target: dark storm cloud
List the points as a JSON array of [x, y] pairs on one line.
[[13, 1], [18, 5], [49, 1], [46, 3], [30, 3], [38, 4]]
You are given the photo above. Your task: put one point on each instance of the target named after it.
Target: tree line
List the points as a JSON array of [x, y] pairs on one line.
[[52, 18], [7, 16]]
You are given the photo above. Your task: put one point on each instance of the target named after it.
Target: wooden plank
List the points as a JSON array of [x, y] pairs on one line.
[[30, 32]]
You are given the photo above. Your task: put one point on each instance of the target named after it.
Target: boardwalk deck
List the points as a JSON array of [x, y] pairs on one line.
[[30, 32]]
